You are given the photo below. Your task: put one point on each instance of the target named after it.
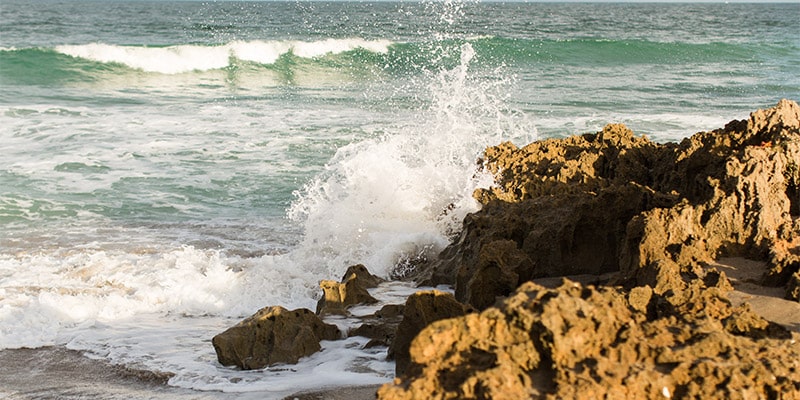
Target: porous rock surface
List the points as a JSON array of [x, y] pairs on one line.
[[614, 202], [272, 335], [421, 309], [654, 215]]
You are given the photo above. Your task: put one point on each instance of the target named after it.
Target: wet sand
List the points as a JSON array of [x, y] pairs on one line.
[[767, 302], [60, 373], [56, 372], [345, 393]]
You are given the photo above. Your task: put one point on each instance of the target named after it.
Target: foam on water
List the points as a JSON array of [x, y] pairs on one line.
[[54, 292], [186, 58], [379, 201], [180, 345]]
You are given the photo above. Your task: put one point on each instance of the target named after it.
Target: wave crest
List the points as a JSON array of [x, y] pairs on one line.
[[185, 58]]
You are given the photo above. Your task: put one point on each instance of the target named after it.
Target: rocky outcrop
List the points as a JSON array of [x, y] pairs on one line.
[[584, 342], [421, 309], [737, 198], [276, 335], [614, 202], [654, 216], [352, 290], [272, 335]]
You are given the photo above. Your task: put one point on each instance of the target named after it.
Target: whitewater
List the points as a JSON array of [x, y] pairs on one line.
[[169, 168]]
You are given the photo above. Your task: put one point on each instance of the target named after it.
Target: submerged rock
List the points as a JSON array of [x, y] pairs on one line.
[[381, 327], [272, 335]]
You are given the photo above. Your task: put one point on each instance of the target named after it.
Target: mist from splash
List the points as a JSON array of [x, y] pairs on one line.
[[395, 199]]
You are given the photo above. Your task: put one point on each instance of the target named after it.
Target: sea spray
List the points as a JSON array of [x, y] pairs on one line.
[[397, 197]]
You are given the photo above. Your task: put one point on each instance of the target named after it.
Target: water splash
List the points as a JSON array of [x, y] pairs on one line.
[[399, 196]]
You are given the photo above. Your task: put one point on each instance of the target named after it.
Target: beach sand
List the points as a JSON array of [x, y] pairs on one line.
[[767, 302], [346, 393]]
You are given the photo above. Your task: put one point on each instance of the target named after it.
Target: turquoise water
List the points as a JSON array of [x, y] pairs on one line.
[[185, 163]]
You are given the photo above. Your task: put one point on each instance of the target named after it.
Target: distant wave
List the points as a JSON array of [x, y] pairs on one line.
[[186, 58], [95, 61]]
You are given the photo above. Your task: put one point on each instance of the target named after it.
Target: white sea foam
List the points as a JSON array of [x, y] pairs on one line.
[[186, 58], [51, 293], [156, 305], [398, 196]]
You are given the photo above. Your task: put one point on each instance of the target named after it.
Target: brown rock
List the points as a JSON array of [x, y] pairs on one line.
[[380, 327], [421, 309], [737, 185], [363, 275], [613, 202], [639, 298], [657, 214], [272, 335], [793, 287], [390, 311], [337, 297], [582, 342]]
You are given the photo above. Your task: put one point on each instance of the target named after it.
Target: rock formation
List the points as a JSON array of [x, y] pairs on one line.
[[352, 290], [381, 327], [614, 202], [421, 309], [584, 342], [272, 335], [652, 215]]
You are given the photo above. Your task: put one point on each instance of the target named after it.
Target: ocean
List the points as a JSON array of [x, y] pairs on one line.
[[167, 168]]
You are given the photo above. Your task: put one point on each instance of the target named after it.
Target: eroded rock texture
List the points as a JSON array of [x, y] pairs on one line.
[[655, 215], [421, 309], [272, 335], [614, 202], [584, 342]]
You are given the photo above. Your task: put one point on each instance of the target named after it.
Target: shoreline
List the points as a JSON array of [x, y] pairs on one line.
[[56, 371]]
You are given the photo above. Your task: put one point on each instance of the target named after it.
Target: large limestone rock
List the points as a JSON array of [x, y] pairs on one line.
[[421, 309], [614, 202], [583, 342], [272, 335], [738, 198]]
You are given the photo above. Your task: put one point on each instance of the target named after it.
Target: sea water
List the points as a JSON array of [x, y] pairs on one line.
[[167, 168]]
